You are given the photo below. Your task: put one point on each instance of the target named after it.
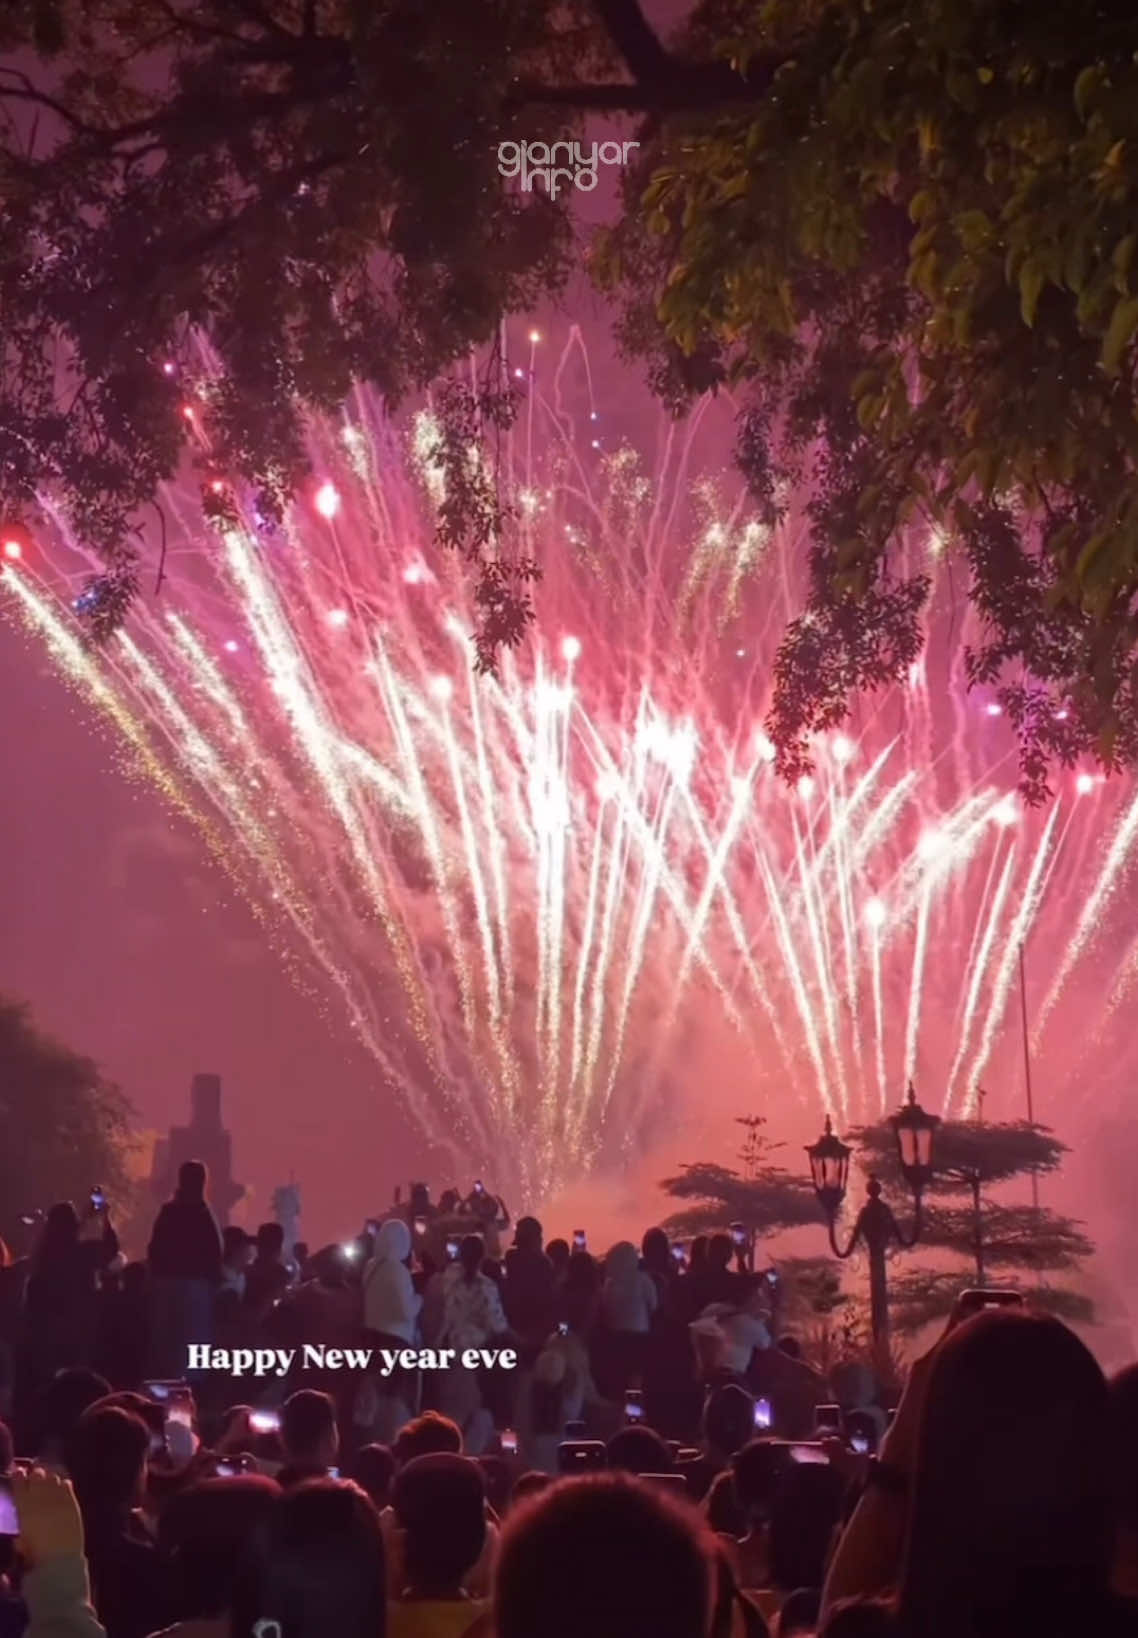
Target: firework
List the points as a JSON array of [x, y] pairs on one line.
[[534, 896]]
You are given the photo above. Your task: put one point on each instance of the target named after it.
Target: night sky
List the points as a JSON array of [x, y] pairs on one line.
[[131, 946]]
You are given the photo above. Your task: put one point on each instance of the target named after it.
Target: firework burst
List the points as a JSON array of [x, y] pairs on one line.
[[530, 894]]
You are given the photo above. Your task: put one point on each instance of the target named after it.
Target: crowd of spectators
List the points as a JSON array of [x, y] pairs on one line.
[[660, 1463]]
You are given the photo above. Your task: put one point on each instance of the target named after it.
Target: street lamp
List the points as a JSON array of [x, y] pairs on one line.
[[876, 1227]]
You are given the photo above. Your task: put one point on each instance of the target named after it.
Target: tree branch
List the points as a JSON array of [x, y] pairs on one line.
[[686, 88], [635, 39]]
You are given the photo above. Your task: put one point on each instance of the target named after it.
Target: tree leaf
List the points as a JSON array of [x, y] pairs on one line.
[[1123, 323], [1030, 284]]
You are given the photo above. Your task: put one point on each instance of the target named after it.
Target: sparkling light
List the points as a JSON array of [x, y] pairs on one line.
[[546, 911], [13, 550], [933, 844], [994, 710], [327, 500]]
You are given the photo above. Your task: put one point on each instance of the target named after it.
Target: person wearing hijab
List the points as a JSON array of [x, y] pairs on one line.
[[391, 1305]]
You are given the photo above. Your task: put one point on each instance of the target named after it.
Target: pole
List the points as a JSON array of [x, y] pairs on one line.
[[1027, 1070], [878, 1291]]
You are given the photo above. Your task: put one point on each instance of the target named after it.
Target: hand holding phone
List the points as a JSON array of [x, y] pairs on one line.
[[578, 1239], [509, 1442], [264, 1421], [633, 1405], [762, 1415], [48, 1514]]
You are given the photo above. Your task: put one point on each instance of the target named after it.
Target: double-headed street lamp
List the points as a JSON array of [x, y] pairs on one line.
[[876, 1226]]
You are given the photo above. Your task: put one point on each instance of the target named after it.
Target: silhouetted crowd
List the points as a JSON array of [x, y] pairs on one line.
[[661, 1463]]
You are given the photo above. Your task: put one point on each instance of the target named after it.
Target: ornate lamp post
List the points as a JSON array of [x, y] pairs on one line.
[[876, 1226]]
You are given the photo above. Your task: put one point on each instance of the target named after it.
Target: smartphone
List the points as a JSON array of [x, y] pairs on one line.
[[828, 1419], [333, 1472], [479, 1188], [762, 1415], [859, 1443], [180, 1411], [739, 1234], [162, 1391], [452, 1250], [678, 1253], [578, 1239], [633, 1405], [809, 1453], [232, 1466], [563, 1329], [509, 1442], [971, 1302], [98, 1199], [420, 1225], [264, 1421], [772, 1276], [9, 1519], [581, 1456]]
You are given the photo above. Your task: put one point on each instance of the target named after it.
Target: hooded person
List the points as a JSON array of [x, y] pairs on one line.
[[391, 1320], [391, 1305], [628, 1297]]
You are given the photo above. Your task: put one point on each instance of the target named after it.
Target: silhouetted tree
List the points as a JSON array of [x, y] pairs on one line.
[[902, 235], [64, 1127], [991, 1240], [763, 1196]]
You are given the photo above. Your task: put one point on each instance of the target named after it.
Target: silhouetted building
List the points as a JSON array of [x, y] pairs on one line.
[[204, 1139]]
